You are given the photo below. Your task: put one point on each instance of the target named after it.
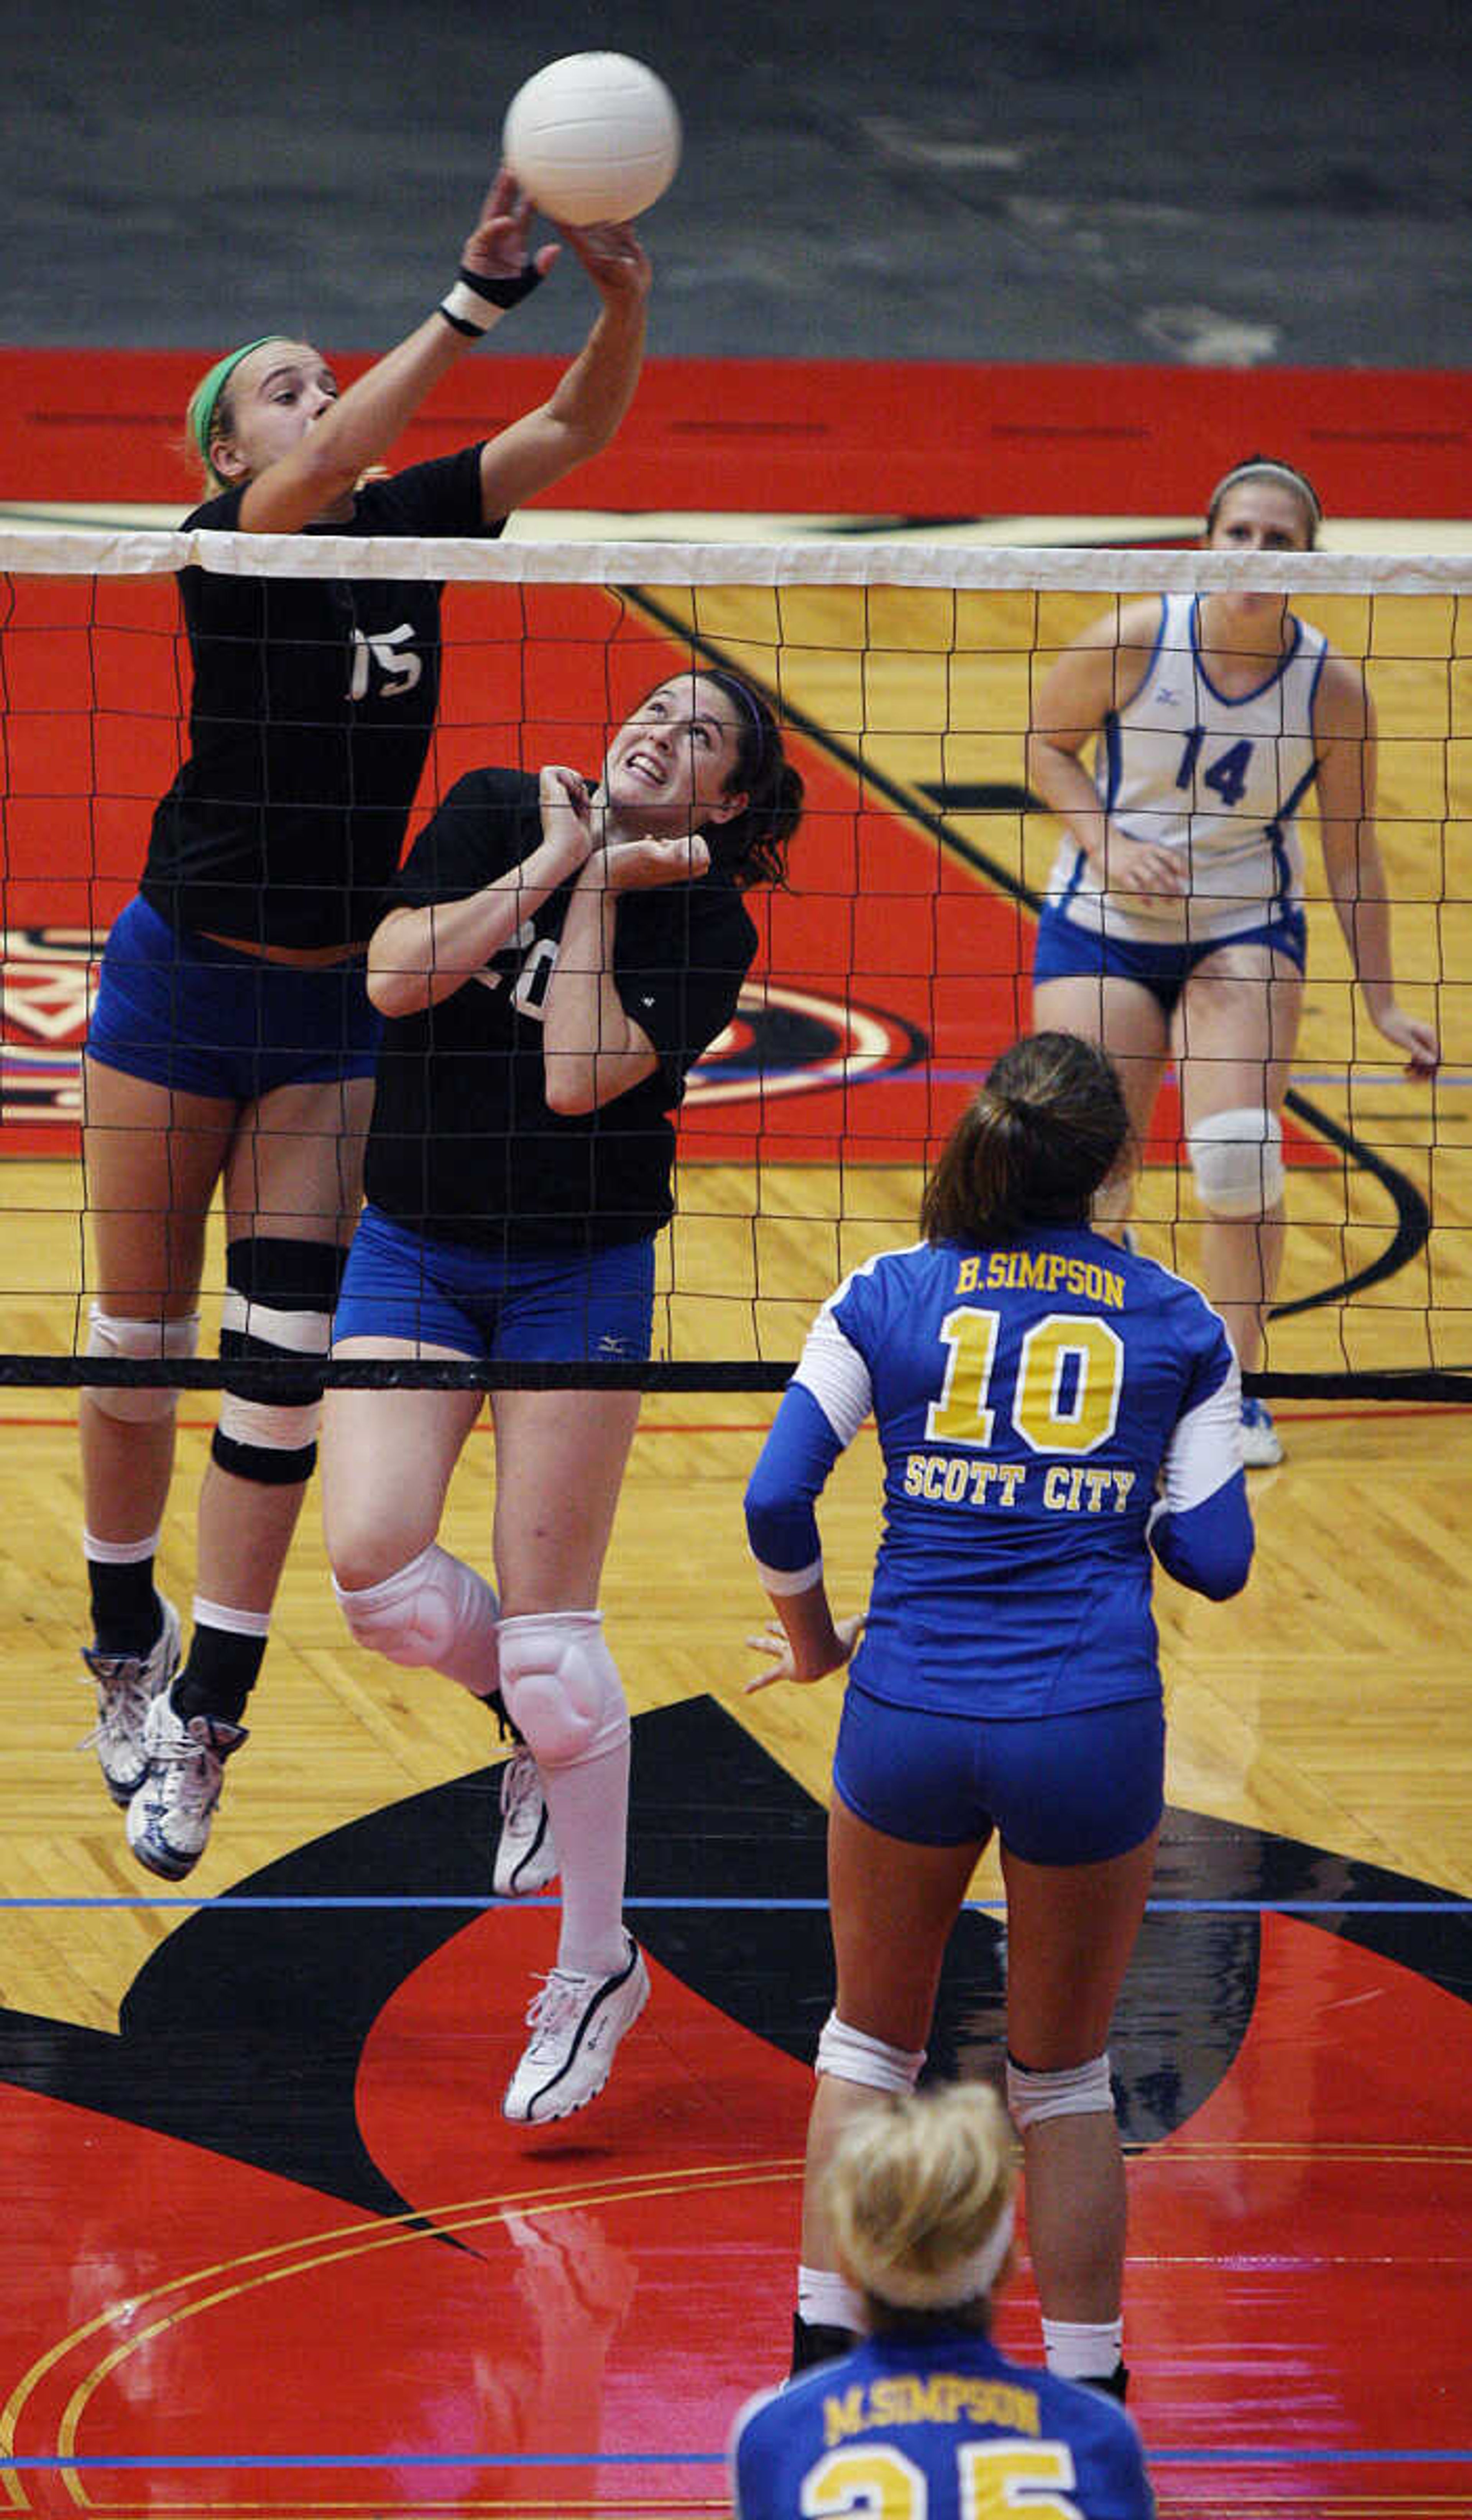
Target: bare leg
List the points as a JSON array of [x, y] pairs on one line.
[[1071, 1930], [893, 1907], [1128, 1021], [1236, 1026], [151, 1159]]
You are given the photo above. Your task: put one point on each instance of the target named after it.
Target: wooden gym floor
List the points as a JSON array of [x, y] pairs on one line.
[[269, 2246]]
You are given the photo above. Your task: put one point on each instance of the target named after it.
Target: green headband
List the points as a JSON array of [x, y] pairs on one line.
[[198, 419]]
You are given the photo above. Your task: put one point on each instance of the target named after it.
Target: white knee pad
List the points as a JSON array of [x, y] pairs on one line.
[[560, 1687], [854, 2057], [1237, 1158], [135, 1404], [435, 1614], [1075, 2092]]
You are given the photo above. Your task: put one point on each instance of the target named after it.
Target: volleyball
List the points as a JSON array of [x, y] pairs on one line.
[[594, 136]]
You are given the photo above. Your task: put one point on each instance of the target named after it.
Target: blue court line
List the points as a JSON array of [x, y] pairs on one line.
[[1268, 2453], [761, 1906]]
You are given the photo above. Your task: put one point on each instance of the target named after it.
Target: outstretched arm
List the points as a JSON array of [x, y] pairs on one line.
[[1344, 730], [584, 411], [364, 422]]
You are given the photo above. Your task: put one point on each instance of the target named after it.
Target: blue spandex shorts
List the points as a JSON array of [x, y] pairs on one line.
[[1058, 1789], [200, 1019], [1066, 951], [532, 1308]]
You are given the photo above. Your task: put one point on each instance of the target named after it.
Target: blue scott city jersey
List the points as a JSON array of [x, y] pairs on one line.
[[945, 2428], [1031, 1397]]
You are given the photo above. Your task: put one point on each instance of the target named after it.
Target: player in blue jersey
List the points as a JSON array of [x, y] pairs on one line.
[[926, 2420], [1051, 1411], [1175, 921], [232, 1044]]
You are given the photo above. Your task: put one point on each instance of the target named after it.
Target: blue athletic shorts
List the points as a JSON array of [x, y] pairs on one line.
[[199, 1018], [1066, 951], [534, 1308], [1057, 1789]]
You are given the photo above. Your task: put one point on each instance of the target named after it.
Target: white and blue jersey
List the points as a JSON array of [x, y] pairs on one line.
[[936, 2430], [1049, 1411], [1216, 779]]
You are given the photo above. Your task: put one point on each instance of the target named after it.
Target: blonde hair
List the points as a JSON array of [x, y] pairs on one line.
[[918, 2196]]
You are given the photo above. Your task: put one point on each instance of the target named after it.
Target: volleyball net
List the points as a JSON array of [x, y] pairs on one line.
[[893, 965]]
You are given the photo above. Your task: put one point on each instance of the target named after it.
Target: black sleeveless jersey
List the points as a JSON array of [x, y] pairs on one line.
[[463, 1146], [313, 704]]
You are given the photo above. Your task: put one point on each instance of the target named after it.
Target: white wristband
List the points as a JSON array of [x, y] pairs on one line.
[[465, 308]]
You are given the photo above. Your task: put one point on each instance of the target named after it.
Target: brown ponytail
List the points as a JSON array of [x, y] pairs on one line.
[[1031, 1147]]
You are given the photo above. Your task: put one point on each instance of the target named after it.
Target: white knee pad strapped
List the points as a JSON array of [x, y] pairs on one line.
[[1237, 1158], [435, 1614], [560, 1687], [110, 1334], [1073, 2091], [854, 2057]]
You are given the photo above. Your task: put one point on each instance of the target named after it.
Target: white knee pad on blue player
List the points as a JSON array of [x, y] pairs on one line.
[[853, 2057], [435, 1614], [559, 1684], [1237, 1158], [135, 1404], [1073, 2091]]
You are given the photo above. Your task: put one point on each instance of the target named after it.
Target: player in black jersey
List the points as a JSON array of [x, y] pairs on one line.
[[233, 1042], [558, 958]]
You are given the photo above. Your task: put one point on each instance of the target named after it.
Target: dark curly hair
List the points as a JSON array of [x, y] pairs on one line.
[[1031, 1147]]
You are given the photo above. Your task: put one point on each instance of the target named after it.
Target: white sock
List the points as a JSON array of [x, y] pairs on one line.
[[588, 1809], [1077, 2351], [825, 2300]]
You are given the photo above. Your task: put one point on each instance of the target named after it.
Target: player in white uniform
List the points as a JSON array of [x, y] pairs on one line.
[[1174, 923]]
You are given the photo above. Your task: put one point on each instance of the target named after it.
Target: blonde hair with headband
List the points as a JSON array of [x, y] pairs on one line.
[[204, 401]]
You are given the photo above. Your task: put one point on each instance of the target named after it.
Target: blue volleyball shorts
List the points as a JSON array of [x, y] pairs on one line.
[[1066, 951], [1067, 1788], [537, 1308], [197, 1017]]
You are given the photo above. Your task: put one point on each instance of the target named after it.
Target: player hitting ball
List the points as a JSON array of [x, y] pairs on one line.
[[233, 1042]]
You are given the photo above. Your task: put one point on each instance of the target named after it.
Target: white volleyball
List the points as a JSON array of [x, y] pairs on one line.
[[594, 136]]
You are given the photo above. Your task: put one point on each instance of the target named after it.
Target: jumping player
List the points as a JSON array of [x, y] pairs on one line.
[[1033, 1386], [558, 957], [1175, 921], [928, 2418], [232, 1041]]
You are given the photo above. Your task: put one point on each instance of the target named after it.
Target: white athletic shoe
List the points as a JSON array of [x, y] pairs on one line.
[[526, 1857], [576, 2024], [127, 1686], [1261, 1448], [170, 1815]]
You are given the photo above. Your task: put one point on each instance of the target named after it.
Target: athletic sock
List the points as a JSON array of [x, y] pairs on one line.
[[588, 1809], [1083, 2349], [126, 1615], [225, 1655], [827, 2299]]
